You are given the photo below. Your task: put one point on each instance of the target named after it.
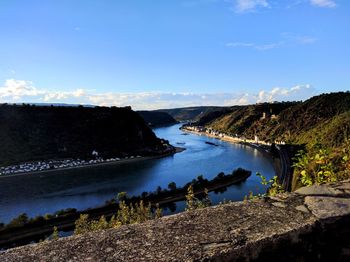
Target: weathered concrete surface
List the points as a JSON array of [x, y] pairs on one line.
[[286, 228]]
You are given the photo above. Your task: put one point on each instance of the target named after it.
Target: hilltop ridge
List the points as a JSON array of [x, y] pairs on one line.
[[157, 118]]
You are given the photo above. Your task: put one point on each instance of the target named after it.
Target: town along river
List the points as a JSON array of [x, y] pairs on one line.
[[38, 194]]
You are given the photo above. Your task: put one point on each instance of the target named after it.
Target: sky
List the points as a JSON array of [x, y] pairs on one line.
[[154, 54]]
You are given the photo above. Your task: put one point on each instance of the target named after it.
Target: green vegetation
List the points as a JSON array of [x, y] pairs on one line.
[[193, 203], [245, 120], [330, 133], [126, 214], [323, 119], [23, 220], [72, 132], [273, 188], [198, 184], [320, 164], [134, 206], [135, 213], [55, 234]]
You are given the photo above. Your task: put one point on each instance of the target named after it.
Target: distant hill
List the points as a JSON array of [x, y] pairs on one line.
[[157, 118], [190, 113], [324, 118], [246, 120], [46, 132]]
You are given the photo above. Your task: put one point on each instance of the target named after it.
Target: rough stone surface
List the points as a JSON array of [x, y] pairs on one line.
[[251, 230], [344, 186], [279, 204], [302, 208], [328, 207], [319, 190]]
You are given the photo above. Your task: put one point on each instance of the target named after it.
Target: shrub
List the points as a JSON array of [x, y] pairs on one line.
[[193, 203], [21, 220], [321, 165], [127, 214], [82, 224], [48, 216], [55, 234]]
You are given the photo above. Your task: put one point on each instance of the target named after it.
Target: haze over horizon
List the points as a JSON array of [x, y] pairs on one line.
[[166, 54]]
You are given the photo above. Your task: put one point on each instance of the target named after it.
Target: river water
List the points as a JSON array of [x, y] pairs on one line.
[[43, 193]]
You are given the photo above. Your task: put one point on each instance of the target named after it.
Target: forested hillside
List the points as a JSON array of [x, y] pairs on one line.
[[190, 113], [324, 119], [157, 118], [30, 132]]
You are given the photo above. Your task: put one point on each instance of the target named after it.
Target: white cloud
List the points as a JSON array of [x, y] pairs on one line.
[[249, 6], [17, 91], [255, 46], [306, 39], [323, 3], [18, 88], [295, 93], [287, 39], [242, 6], [269, 46], [14, 90], [240, 44]]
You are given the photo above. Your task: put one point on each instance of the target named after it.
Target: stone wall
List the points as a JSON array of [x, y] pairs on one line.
[[311, 224]]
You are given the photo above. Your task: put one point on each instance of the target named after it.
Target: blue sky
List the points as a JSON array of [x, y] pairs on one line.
[[161, 54]]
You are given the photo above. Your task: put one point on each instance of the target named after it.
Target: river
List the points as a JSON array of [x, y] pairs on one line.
[[43, 193]]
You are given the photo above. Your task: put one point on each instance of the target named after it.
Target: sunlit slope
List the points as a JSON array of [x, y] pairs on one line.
[[324, 118]]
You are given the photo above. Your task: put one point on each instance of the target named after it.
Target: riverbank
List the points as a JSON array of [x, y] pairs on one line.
[[261, 146], [282, 161], [42, 228], [98, 164]]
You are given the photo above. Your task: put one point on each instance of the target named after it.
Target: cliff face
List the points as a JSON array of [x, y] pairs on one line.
[[30, 133], [157, 118]]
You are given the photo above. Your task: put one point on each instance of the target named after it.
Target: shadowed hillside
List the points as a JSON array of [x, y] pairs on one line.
[[190, 113], [30, 133], [157, 118]]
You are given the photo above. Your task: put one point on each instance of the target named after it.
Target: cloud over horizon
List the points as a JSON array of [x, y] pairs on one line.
[[18, 91], [323, 3], [248, 6]]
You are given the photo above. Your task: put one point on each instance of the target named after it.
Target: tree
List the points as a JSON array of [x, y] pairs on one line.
[[55, 234], [21, 220], [172, 186], [144, 194], [122, 196]]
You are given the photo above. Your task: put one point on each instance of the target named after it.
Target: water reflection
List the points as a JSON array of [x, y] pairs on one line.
[[91, 187]]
